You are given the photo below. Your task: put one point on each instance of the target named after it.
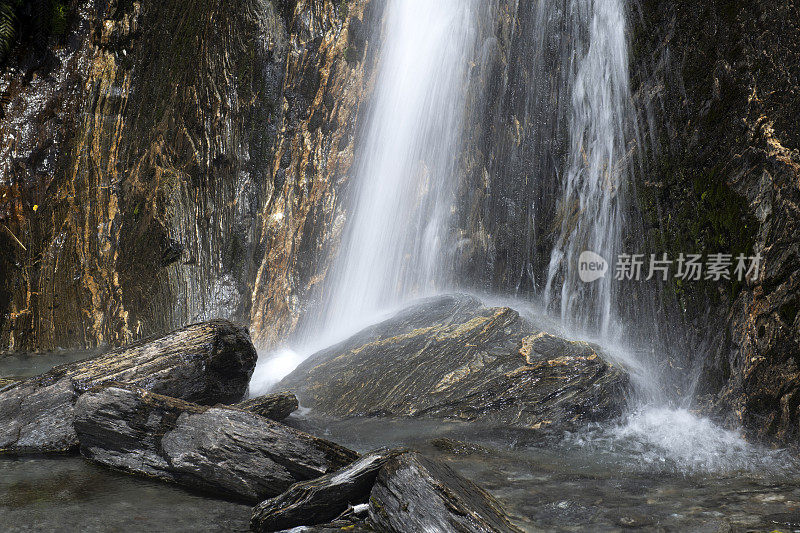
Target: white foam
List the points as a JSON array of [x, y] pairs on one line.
[[660, 438], [271, 368]]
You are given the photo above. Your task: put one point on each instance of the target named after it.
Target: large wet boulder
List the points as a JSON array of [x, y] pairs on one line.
[[206, 363], [222, 450], [323, 499], [414, 493], [453, 357]]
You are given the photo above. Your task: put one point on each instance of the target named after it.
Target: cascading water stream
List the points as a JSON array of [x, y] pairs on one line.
[[392, 248], [394, 245], [590, 209], [602, 134]]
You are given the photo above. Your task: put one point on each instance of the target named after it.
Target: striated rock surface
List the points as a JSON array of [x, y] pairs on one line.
[[330, 74], [167, 163], [337, 526], [207, 363], [323, 499], [414, 493], [453, 357], [134, 164], [37, 418], [216, 449], [273, 406]]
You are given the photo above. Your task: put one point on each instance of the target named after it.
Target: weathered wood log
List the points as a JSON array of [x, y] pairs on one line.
[[206, 363], [453, 357], [273, 406], [414, 493], [323, 499], [217, 449]]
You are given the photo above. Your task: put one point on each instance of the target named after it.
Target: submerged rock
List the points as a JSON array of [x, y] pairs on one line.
[[453, 357], [217, 449], [207, 363], [323, 499], [459, 447], [414, 493], [274, 406]]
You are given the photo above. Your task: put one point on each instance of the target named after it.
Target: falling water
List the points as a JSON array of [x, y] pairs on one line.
[[395, 244], [393, 247], [590, 209]]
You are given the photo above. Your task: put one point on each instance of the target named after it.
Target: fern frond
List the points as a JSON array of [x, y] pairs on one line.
[[8, 31]]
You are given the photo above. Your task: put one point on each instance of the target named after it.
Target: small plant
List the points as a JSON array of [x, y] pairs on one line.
[[58, 18]]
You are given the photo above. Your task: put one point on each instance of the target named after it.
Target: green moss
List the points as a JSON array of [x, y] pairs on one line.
[[58, 17], [694, 210], [351, 55]]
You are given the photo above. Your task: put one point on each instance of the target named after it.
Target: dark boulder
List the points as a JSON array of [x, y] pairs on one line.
[[323, 499], [453, 357], [38, 417], [206, 363], [216, 449], [274, 406], [414, 493]]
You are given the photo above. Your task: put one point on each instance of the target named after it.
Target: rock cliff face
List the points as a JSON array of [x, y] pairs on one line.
[[329, 75], [717, 85], [164, 161], [134, 167]]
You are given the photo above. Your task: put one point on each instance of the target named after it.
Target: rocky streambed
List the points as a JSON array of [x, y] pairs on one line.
[[449, 416]]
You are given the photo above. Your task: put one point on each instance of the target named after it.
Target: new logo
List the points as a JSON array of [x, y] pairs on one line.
[[591, 267]]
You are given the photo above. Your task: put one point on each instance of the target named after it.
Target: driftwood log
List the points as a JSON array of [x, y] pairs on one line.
[[217, 449], [206, 363]]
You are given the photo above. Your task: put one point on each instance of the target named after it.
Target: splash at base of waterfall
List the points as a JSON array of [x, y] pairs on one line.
[[273, 367], [662, 439]]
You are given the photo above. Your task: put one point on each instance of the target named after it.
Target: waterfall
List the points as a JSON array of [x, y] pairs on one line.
[[393, 246], [579, 124], [596, 175]]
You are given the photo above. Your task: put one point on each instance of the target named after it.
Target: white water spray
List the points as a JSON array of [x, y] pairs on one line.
[[598, 170]]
